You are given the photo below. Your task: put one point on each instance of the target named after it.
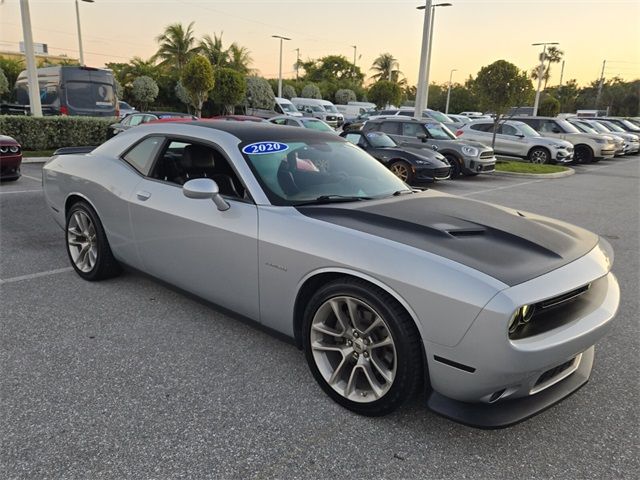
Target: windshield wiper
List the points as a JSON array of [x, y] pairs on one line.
[[333, 199], [397, 193]]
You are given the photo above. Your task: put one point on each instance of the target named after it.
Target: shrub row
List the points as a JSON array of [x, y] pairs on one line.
[[49, 133]]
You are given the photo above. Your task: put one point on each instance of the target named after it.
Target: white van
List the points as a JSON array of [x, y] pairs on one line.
[[285, 107], [331, 108], [367, 105], [310, 107], [352, 111]]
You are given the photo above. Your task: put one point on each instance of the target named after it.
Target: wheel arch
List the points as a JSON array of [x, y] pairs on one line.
[[74, 198], [314, 280]]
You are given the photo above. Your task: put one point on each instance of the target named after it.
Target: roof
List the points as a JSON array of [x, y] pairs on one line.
[[401, 118], [250, 132]]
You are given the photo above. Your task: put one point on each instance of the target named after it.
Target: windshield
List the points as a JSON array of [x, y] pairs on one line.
[[567, 127], [302, 171], [288, 107], [380, 140], [629, 125], [600, 127], [612, 126], [527, 131], [439, 132], [583, 128], [441, 117], [89, 95], [317, 125], [331, 108]]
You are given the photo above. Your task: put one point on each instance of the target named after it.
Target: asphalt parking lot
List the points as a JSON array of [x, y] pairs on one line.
[[130, 379]]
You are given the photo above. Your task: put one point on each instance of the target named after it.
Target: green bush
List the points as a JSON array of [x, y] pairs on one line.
[[49, 133]]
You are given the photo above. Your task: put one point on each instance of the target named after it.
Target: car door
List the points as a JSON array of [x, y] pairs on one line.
[[189, 242], [508, 141]]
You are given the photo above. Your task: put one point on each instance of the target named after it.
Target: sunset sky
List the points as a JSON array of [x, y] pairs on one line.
[[468, 35]]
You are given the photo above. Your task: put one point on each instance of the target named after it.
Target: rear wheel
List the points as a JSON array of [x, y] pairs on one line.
[[539, 155], [87, 244], [362, 347], [583, 154], [402, 170]]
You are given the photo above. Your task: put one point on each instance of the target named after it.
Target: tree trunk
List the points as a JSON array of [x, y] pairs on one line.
[[496, 122]]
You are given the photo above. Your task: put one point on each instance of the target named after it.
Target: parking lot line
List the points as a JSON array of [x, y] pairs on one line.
[[21, 191], [32, 178], [31, 276], [498, 188]]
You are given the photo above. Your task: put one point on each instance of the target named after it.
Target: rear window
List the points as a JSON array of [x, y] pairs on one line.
[[481, 127], [90, 95]]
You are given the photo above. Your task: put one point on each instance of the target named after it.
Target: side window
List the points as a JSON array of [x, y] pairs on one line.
[[142, 155], [508, 130], [406, 113], [480, 127], [548, 126], [135, 120], [182, 161], [279, 121], [126, 120], [411, 129], [292, 123], [532, 122], [392, 128], [353, 138]]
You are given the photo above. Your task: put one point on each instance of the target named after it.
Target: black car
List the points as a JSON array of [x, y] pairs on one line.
[[413, 165], [136, 119]]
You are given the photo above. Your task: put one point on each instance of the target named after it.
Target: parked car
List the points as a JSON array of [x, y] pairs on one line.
[[427, 113], [588, 147], [10, 159], [72, 90], [286, 107], [623, 123], [411, 165], [632, 140], [331, 108], [311, 107], [495, 310], [351, 112], [125, 109], [517, 139], [238, 118], [305, 122], [460, 119], [617, 139], [472, 114], [136, 119], [464, 157]]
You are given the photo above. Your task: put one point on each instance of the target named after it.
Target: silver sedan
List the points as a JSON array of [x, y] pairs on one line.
[[385, 288]]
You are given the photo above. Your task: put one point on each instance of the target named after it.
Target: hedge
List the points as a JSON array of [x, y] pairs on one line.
[[49, 133]]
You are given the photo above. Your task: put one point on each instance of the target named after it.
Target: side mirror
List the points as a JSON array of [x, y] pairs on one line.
[[519, 135], [205, 188], [556, 130], [422, 137]]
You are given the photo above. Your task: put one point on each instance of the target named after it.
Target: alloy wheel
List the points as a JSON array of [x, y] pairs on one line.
[[539, 156], [353, 349], [81, 239], [400, 170]]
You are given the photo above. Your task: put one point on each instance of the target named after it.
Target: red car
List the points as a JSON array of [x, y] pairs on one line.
[[10, 158]]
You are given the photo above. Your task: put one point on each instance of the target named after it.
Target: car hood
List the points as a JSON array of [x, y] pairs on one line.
[[472, 143], [7, 140], [592, 136], [551, 141], [425, 153], [508, 245]]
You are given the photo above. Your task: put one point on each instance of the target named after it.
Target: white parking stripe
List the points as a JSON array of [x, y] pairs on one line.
[[499, 188], [32, 178], [21, 191], [31, 276]]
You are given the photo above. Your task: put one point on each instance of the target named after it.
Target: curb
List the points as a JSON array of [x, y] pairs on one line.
[[35, 159], [567, 173]]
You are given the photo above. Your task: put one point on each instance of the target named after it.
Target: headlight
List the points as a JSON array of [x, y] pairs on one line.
[[423, 162], [602, 140], [522, 316], [471, 151], [14, 149], [560, 146], [4, 149]]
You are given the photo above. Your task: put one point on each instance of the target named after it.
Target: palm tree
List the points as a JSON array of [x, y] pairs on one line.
[[553, 55], [383, 66], [176, 45], [239, 58], [213, 49]]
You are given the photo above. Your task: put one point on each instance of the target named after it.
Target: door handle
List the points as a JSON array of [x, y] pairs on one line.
[[142, 195]]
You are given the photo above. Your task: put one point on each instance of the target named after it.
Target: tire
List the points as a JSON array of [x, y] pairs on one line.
[[583, 154], [539, 155], [402, 170], [344, 359], [13, 179], [87, 245], [456, 168]]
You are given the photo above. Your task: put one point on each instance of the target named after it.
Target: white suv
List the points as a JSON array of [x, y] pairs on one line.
[[517, 139], [588, 147]]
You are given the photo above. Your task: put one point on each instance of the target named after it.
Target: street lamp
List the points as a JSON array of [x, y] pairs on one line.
[[355, 49], [395, 62], [79, 31], [32, 73], [446, 108], [280, 68], [540, 73], [422, 93]]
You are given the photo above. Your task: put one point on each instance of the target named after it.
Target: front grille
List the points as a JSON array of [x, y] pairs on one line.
[[556, 374], [487, 154], [564, 298], [570, 149], [331, 117], [489, 168]]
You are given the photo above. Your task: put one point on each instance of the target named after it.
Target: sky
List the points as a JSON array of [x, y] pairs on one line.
[[467, 35]]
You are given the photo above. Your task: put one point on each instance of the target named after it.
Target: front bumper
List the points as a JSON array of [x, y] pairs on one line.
[[431, 174], [607, 152], [486, 162], [10, 166], [563, 156], [487, 368]]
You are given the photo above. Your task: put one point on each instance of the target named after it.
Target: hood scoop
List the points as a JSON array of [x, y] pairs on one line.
[[460, 231]]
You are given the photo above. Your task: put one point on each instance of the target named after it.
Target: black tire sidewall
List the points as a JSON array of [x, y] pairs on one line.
[[588, 153], [401, 332], [456, 167]]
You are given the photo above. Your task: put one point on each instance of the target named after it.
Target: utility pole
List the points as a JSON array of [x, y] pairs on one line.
[[446, 108], [280, 65], [421, 99], [32, 72], [561, 72], [604, 62], [297, 62], [355, 49]]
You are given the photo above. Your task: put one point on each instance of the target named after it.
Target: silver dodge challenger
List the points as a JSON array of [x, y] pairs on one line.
[[491, 313]]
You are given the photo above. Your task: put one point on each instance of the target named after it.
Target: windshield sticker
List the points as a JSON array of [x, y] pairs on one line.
[[262, 148]]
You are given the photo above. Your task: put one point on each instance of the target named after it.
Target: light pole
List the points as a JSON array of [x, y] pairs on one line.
[[446, 108], [391, 68], [422, 93], [355, 49], [32, 72], [280, 68], [79, 31], [297, 62], [540, 72]]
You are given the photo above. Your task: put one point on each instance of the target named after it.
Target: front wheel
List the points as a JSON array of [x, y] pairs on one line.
[[402, 170], [454, 164], [583, 154], [362, 347], [87, 244], [539, 155]]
